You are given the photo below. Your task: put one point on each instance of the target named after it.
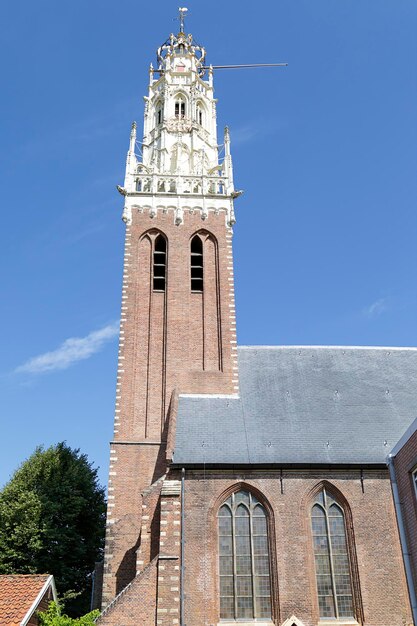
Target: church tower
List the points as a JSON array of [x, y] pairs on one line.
[[177, 331]]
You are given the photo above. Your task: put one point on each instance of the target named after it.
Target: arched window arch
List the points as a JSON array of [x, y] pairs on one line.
[[159, 263], [200, 113], [159, 113], [197, 264], [180, 108], [331, 556], [244, 564]]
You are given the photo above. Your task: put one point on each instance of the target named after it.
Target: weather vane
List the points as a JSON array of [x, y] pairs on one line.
[[182, 12], [181, 17]]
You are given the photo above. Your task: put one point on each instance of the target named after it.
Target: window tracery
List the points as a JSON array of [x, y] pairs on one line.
[[331, 556], [180, 108], [244, 565]]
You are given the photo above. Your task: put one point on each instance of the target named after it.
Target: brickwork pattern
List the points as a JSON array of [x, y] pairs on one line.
[[173, 340], [169, 565], [405, 463], [381, 588], [136, 604]]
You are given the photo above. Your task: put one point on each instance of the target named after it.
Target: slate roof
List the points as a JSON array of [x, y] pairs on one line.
[[18, 593], [303, 406]]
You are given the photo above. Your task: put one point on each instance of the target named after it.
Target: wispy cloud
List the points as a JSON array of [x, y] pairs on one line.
[[244, 134], [255, 129], [376, 308], [70, 351]]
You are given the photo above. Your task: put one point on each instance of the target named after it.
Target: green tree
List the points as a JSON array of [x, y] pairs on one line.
[[52, 520], [54, 617]]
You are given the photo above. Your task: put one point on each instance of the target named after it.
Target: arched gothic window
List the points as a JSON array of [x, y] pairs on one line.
[[200, 115], [244, 568], [159, 114], [197, 267], [159, 263], [180, 107], [331, 555]]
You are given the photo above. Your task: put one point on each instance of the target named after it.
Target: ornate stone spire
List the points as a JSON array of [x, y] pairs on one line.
[[181, 167]]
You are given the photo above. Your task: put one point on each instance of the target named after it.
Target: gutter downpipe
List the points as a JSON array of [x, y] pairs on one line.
[[182, 548], [403, 539]]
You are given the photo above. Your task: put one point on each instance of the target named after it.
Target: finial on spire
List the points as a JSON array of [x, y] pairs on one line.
[[182, 12]]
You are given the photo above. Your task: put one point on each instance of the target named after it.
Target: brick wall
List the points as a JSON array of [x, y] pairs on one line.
[[405, 462], [136, 605], [381, 588], [169, 564], [177, 339]]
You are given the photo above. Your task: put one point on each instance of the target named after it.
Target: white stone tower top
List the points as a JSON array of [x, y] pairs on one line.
[[182, 167]]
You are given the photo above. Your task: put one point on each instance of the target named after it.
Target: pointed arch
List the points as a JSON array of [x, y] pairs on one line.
[[200, 112], [159, 251], [197, 263], [180, 105], [247, 582], [159, 112], [334, 555]]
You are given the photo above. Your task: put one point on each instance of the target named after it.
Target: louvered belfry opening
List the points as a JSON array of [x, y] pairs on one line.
[[159, 263], [197, 264]]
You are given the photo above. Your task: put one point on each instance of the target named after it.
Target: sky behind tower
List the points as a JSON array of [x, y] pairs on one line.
[[325, 150]]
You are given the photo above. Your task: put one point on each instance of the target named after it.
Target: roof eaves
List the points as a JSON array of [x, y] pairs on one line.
[[377, 465], [48, 583], [406, 436]]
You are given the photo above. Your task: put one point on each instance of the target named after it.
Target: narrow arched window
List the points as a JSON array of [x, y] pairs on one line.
[[331, 555], [197, 267], [159, 114], [244, 568], [199, 112], [180, 107], [159, 263]]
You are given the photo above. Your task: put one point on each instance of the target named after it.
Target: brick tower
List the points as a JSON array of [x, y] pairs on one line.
[[177, 329]]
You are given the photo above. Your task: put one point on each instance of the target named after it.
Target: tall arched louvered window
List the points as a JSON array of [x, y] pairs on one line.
[[244, 568], [331, 555], [159, 263], [197, 267]]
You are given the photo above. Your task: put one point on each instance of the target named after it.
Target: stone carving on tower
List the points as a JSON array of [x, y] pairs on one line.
[[180, 166]]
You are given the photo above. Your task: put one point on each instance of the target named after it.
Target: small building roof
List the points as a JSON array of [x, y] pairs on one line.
[[20, 596], [303, 405]]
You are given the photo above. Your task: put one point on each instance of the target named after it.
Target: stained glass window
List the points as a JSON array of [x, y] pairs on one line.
[[244, 568], [334, 586]]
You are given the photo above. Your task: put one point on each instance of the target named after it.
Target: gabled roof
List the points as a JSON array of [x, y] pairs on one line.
[[20, 596], [303, 406]]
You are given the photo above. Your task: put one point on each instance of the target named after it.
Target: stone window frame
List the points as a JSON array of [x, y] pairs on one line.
[[275, 613], [358, 618], [200, 113], [159, 112], [180, 105]]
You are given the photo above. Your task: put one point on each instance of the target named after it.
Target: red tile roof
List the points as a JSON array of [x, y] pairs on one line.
[[17, 594]]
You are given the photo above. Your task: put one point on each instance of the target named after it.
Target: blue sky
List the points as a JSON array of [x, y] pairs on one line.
[[325, 243]]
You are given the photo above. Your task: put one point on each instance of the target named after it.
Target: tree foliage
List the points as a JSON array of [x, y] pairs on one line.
[[52, 520], [54, 617]]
